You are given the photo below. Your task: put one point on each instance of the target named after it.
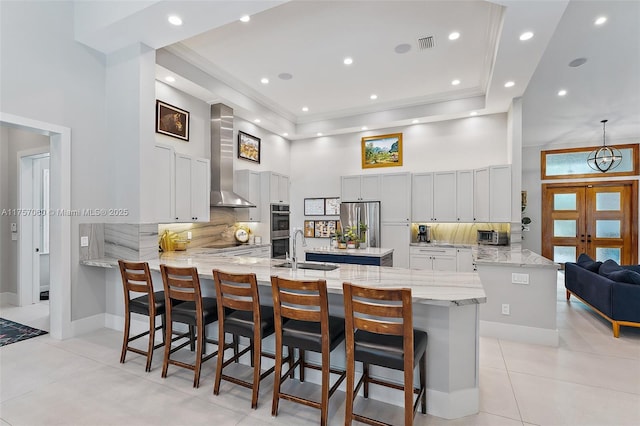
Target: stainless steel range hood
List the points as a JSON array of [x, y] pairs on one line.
[[222, 194]]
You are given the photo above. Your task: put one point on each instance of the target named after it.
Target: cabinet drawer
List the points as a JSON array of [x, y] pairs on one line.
[[433, 251]]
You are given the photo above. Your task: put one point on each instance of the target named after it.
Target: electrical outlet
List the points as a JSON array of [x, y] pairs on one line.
[[14, 227], [84, 241], [188, 235], [519, 278], [505, 309]]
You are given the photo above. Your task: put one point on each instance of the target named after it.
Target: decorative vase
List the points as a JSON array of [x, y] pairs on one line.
[[351, 245]]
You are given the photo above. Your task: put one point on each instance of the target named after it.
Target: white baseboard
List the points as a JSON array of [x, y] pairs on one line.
[[520, 333], [87, 325], [453, 405], [8, 298]]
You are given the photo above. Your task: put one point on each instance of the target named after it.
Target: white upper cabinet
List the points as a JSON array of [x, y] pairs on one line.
[[396, 236], [278, 188], [395, 197], [360, 188], [444, 197], [192, 183], [164, 188], [464, 195], [481, 195], [500, 193], [422, 197], [247, 185]]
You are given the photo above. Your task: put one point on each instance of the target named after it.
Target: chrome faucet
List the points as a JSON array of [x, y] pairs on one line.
[[294, 252]]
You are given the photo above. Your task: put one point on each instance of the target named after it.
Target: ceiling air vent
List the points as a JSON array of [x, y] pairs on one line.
[[426, 43]]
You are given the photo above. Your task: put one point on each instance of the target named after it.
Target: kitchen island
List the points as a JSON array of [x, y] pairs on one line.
[[446, 305], [368, 256]]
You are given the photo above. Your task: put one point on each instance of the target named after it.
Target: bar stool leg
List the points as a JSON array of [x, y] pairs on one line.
[[365, 372], [167, 348], [152, 336], [277, 380], [324, 407], [408, 395], [423, 382], [256, 361], [125, 341], [302, 366], [199, 349]]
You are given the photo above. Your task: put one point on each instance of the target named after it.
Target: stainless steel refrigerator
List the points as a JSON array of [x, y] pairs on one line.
[[368, 213]]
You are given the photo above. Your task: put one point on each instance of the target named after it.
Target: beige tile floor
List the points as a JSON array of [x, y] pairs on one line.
[[590, 379]]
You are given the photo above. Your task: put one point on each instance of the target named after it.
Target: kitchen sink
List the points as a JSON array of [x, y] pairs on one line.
[[314, 266]]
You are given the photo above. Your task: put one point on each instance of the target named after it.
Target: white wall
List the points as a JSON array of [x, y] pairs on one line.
[[49, 77], [5, 235], [468, 143]]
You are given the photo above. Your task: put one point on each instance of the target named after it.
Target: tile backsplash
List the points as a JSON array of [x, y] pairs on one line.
[[220, 228], [457, 233]]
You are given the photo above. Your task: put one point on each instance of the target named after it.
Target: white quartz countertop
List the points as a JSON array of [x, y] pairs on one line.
[[510, 256], [428, 287], [369, 251]]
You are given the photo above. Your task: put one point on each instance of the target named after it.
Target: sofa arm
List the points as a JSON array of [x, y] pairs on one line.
[[635, 268], [626, 302]]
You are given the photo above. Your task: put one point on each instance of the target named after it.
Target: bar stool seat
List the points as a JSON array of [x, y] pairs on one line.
[[241, 322], [185, 312], [141, 305], [380, 349], [307, 335]]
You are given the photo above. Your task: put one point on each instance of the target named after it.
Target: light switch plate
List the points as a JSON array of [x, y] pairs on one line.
[[505, 309], [84, 241], [519, 278], [189, 235], [14, 227], [14, 236]]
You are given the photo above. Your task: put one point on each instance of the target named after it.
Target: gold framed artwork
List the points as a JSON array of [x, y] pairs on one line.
[[309, 229], [382, 151], [172, 121]]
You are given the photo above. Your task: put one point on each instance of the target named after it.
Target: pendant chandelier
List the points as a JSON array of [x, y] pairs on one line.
[[604, 158]]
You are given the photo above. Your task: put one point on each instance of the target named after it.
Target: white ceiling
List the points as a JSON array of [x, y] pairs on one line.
[[217, 58]]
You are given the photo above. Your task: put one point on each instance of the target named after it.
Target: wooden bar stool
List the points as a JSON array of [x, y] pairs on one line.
[[185, 304], [379, 331], [305, 307], [240, 314], [136, 278]]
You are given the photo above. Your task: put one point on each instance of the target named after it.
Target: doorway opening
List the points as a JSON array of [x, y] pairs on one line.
[[596, 218]]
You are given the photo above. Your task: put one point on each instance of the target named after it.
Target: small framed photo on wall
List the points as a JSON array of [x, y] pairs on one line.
[[172, 121], [248, 147]]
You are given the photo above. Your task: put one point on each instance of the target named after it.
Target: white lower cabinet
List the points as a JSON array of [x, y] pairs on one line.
[[464, 260], [433, 258], [397, 237], [264, 252]]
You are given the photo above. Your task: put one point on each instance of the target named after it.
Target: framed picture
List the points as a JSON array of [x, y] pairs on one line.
[[248, 147], [172, 121], [382, 151], [314, 206], [332, 206], [309, 229], [324, 228]]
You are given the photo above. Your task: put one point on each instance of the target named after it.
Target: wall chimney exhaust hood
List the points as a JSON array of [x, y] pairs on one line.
[[222, 194]]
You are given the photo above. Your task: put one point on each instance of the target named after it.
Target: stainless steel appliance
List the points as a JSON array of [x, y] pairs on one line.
[[365, 213], [424, 234], [280, 226], [491, 237]]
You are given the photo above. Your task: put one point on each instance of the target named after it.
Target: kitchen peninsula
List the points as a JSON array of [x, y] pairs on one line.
[[446, 305], [368, 256]]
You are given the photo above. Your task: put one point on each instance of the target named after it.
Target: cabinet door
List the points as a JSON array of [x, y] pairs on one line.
[[444, 263], [395, 197], [444, 196], [421, 262], [350, 188], [254, 213], [370, 188], [283, 189], [274, 188], [481, 195], [164, 189], [464, 260], [464, 196], [500, 193], [183, 188], [200, 190], [422, 197], [396, 236], [247, 184]]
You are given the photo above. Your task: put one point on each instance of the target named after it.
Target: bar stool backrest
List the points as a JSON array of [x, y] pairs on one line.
[[136, 277], [181, 284], [300, 300], [238, 292]]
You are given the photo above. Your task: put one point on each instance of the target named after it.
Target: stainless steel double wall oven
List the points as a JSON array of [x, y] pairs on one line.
[[280, 226]]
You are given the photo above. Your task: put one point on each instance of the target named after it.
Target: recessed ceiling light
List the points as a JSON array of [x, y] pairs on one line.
[[257, 120], [305, 109], [473, 113], [373, 97], [264, 80], [170, 79], [577, 62], [526, 36], [285, 134], [509, 84], [175, 20], [285, 76], [454, 35], [402, 48], [364, 128], [319, 134], [347, 61], [415, 121], [245, 18], [455, 82], [562, 92], [600, 20]]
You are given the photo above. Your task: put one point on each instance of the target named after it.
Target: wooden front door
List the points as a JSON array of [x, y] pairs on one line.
[[597, 218]]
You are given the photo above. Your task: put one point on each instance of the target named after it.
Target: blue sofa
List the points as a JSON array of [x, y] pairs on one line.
[[611, 290]]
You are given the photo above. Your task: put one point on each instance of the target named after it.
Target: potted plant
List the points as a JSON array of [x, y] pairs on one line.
[[340, 239], [363, 235], [352, 235]]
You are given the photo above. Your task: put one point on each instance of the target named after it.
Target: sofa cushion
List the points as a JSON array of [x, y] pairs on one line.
[[608, 267], [588, 263], [625, 276]]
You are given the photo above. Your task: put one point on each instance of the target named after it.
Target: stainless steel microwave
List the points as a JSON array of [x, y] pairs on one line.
[[495, 238]]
